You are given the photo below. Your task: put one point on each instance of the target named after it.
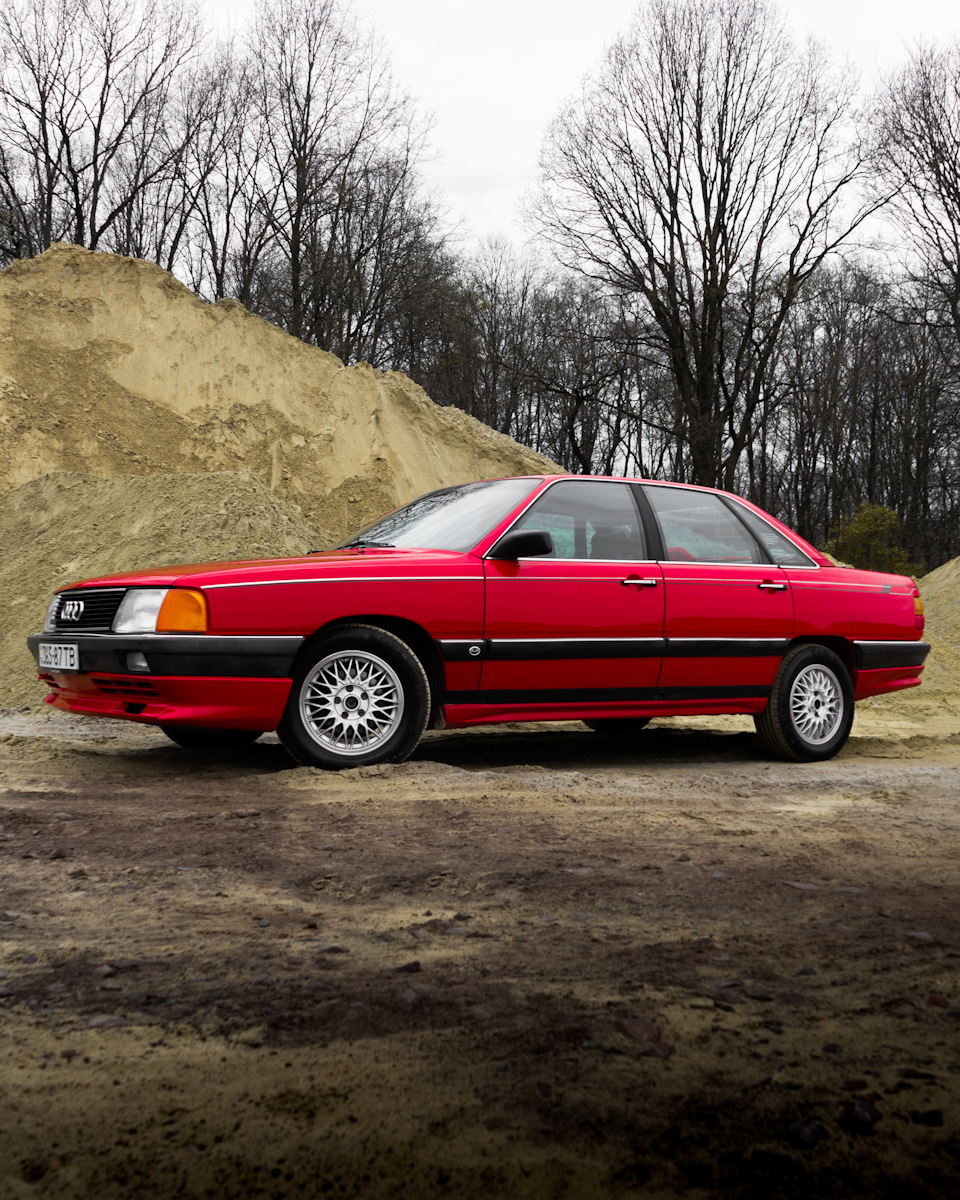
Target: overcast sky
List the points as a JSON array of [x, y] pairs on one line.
[[494, 74]]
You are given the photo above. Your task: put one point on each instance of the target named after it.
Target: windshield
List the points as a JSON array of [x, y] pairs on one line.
[[454, 518]]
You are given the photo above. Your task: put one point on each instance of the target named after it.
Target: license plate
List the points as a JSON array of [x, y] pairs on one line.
[[60, 656]]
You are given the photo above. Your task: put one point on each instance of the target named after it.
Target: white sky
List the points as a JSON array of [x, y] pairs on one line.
[[493, 74]]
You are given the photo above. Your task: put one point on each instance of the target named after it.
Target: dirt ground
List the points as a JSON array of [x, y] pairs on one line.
[[665, 967]]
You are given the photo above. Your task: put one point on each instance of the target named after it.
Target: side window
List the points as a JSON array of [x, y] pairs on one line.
[[698, 526], [588, 520], [781, 550]]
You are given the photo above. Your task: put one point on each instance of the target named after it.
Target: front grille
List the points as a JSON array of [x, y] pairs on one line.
[[123, 685], [90, 610]]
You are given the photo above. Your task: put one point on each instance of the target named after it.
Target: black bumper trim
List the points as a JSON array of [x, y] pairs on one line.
[[206, 654], [878, 656]]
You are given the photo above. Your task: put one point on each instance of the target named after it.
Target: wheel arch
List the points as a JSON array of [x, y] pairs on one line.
[[840, 646], [415, 636]]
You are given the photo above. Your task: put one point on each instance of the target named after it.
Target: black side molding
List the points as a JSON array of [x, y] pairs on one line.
[[598, 695], [538, 649]]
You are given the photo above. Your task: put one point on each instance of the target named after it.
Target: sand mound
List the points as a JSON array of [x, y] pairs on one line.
[[253, 443], [109, 366], [939, 694], [64, 526], [941, 599]]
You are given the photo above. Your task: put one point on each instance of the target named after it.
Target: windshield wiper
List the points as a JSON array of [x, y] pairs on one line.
[[362, 544]]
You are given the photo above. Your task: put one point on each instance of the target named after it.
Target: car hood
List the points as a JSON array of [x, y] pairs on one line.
[[366, 561]]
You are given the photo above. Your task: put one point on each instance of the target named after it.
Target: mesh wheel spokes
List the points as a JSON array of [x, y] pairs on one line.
[[816, 704], [352, 702]]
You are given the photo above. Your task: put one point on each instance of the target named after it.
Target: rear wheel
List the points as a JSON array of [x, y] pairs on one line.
[[617, 725], [193, 737], [810, 712], [360, 696]]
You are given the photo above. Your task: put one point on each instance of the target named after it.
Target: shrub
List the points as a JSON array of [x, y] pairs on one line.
[[871, 539]]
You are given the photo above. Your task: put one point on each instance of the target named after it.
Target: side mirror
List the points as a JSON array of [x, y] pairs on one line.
[[522, 543]]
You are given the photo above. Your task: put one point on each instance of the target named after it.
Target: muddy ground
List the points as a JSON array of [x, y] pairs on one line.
[[661, 968]]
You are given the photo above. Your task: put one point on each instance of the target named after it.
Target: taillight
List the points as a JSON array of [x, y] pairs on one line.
[[918, 618]]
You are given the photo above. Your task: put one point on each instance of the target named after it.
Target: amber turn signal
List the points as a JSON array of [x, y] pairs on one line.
[[183, 611]]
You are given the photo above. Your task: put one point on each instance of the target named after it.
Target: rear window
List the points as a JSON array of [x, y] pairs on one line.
[[781, 550], [698, 527]]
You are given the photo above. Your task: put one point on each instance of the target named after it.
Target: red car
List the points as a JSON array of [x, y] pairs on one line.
[[610, 601]]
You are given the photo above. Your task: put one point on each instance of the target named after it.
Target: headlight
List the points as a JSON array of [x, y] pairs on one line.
[[138, 610], [50, 620], [162, 610]]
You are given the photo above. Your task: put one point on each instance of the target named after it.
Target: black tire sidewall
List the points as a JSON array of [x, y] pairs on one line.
[[416, 699], [797, 661], [617, 726]]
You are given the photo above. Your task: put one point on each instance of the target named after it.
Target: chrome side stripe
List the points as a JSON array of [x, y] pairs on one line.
[[209, 587]]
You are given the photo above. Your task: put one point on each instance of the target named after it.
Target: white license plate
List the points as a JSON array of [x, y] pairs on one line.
[[60, 656]]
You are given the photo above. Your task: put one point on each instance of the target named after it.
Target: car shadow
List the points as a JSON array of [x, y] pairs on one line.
[[569, 746], [578, 748]]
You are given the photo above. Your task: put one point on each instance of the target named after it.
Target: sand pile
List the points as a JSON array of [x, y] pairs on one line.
[[109, 366], [254, 443], [939, 694], [66, 526], [941, 599]]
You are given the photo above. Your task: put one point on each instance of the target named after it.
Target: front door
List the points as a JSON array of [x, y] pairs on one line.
[[583, 625]]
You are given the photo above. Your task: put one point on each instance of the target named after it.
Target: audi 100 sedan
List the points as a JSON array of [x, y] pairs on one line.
[[610, 601]]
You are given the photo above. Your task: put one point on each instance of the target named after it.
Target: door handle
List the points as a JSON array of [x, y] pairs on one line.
[[639, 582], [769, 586]]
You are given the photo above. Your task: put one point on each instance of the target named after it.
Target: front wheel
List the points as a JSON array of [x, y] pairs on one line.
[[810, 712], [360, 696]]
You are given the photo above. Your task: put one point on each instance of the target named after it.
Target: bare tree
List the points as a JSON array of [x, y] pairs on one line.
[[228, 167], [551, 362], [84, 90], [869, 406], [332, 118], [701, 176], [918, 157], [375, 239], [189, 135]]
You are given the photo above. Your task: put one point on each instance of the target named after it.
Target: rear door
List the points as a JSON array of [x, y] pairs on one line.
[[728, 609], [585, 624]]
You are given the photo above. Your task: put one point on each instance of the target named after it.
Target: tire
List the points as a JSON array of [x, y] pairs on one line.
[[360, 696], [193, 737], [810, 711], [623, 726]]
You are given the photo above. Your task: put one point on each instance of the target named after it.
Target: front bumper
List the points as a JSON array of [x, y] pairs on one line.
[[206, 680], [179, 654]]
